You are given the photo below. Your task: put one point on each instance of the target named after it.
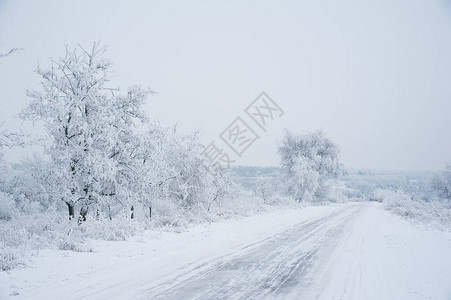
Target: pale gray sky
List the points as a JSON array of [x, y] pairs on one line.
[[375, 75]]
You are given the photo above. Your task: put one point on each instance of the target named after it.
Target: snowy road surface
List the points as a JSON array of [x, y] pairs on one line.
[[345, 251]]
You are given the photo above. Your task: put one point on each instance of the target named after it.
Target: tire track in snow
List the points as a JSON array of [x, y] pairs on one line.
[[267, 269]]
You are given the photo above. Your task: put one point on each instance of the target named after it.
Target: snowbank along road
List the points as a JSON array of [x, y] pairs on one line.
[[345, 251]]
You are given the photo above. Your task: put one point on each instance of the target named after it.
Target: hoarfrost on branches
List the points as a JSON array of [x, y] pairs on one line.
[[311, 162]]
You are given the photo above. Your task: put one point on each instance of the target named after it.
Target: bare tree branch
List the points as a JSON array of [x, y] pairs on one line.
[[10, 52]]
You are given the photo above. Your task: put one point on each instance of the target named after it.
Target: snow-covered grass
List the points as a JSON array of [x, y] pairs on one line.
[[24, 235], [435, 214]]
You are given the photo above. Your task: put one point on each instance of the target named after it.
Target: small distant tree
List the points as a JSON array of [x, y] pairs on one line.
[[92, 140], [269, 187], [219, 187], [311, 162], [441, 183]]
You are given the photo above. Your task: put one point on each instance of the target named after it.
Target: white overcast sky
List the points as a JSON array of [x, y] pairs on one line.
[[374, 75]]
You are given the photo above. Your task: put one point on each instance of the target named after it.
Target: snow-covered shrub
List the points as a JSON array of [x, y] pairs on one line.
[[361, 184], [25, 234], [271, 188], [432, 213], [263, 187], [31, 184], [7, 207], [171, 176], [337, 191], [243, 205], [311, 162], [22, 234], [441, 184]]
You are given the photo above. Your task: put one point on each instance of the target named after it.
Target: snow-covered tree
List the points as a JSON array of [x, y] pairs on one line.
[[166, 174], [311, 162], [441, 183], [174, 169], [91, 127], [269, 187], [220, 187], [97, 157]]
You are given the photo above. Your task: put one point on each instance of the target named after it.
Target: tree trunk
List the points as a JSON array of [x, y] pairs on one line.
[[133, 213], [211, 203], [150, 212], [71, 211], [83, 214]]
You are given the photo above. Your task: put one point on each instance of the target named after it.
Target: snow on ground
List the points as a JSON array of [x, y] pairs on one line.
[[381, 256], [342, 251]]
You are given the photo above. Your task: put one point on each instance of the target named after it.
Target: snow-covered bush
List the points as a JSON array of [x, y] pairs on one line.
[[7, 203], [7, 140], [264, 188], [441, 184], [311, 162], [23, 235], [432, 213], [171, 175], [7, 206], [270, 187], [337, 191], [31, 183]]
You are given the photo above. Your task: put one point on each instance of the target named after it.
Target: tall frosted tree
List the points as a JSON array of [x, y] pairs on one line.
[[311, 161], [90, 126]]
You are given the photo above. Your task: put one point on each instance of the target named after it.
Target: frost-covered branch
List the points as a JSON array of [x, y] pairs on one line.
[[13, 50]]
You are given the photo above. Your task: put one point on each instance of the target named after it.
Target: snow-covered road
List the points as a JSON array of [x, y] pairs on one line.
[[346, 251], [273, 266]]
